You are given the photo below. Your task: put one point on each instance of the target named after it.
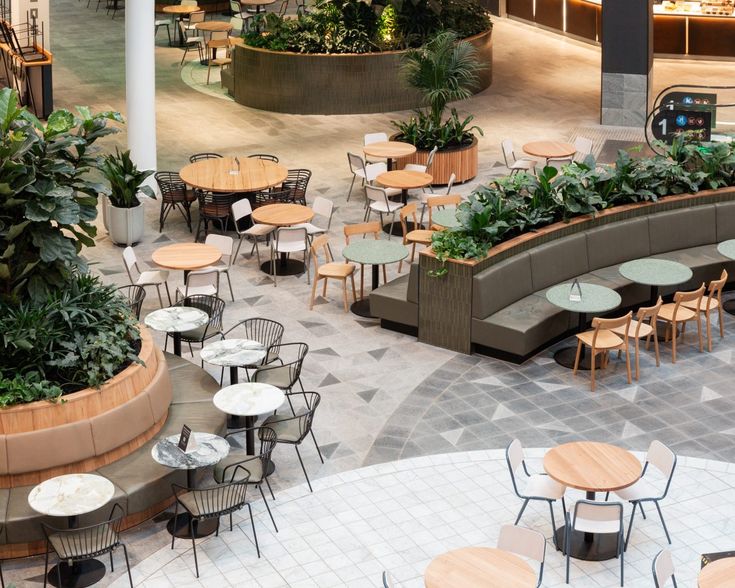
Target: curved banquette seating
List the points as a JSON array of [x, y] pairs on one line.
[[510, 316], [142, 486]]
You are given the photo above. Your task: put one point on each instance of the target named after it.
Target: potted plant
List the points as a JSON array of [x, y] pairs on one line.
[[442, 70], [125, 212]]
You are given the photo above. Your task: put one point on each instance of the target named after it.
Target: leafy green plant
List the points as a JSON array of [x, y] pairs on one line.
[[47, 199], [126, 180], [22, 389]]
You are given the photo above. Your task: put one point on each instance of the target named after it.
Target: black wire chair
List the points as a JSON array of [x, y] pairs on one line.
[[202, 156], [292, 430], [174, 194], [296, 183], [213, 503], [214, 307], [134, 296], [265, 197], [265, 156], [215, 209], [288, 374], [84, 543], [265, 331], [256, 466]]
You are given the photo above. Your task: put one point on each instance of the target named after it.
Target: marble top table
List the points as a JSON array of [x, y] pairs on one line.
[[445, 218], [210, 450], [69, 496], [234, 353], [375, 252], [248, 400], [595, 299], [176, 320], [727, 248]]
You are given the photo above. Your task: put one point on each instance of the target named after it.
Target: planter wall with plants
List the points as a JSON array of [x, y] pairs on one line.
[[352, 83], [461, 161]]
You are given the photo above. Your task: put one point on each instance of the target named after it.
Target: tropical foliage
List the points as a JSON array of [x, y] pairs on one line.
[[357, 26], [516, 204], [125, 179]]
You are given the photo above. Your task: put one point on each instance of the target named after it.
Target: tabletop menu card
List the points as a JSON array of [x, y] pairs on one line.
[[187, 443], [575, 296]]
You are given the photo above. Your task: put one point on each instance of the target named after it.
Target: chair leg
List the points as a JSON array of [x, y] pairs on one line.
[[553, 522], [627, 363], [45, 570], [637, 359], [194, 545], [265, 501], [158, 289], [673, 341], [722, 322], [319, 451], [576, 358], [709, 331], [313, 293], [621, 551], [699, 332], [255, 534], [229, 283], [630, 525], [127, 564], [267, 483], [168, 294], [520, 513], [344, 293], [176, 514], [301, 461], [567, 542], [661, 516], [112, 563], [351, 185], [354, 291]]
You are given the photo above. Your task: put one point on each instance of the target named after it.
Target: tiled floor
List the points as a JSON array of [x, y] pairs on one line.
[[386, 396]]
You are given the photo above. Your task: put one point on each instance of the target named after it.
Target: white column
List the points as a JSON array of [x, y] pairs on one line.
[[140, 81]]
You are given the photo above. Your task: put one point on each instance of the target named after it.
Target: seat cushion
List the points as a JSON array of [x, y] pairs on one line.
[[543, 487], [251, 463], [522, 327], [152, 277], [288, 430], [336, 270], [390, 302], [641, 489]]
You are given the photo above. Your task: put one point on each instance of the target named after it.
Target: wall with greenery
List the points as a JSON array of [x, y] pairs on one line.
[[520, 203], [61, 329], [355, 26]]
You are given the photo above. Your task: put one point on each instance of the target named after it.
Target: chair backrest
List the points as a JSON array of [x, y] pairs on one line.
[[596, 512], [297, 182], [85, 542], [663, 459], [418, 167], [663, 569], [376, 193], [323, 207], [430, 159], [265, 331], [409, 210], [375, 138], [388, 580], [283, 9], [320, 243], [450, 183], [213, 306], [202, 277], [224, 243], [583, 146], [131, 263], [514, 459], [189, 3], [265, 156], [219, 39], [134, 296], [290, 369], [524, 542], [433, 202], [171, 186], [356, 162], [602, 324], [690, 296], [268, 441], [508, 155], [363, 229], [373, 170], [648, 313], [714, 290], [201, 156], [214, 205], [305, 418], [286, 235], [218, 500], [240, 209], [197, 16], [237, 23], [264, 197], [235, 6]]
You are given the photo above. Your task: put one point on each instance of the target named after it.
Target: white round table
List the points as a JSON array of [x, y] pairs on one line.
[[176, 320], [249, 400], [234, 353], [69, 496]]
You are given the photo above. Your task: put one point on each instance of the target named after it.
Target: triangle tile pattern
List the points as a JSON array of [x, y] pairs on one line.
[[367, 395]]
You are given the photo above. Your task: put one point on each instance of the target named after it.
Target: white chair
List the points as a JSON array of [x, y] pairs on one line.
[[324, 208], [357, 167], [664, 460], [526, 543], [289, 240], [388, 580], [584, 147], [194, 18], [377, 199], [537, 486], [225, 244], [146, 278], [589, 516], [372, 171], [424, 198], [163, 22], [375, 138], [663, 569], [242, 209], [512, 163], [191, 42], [203, 281]]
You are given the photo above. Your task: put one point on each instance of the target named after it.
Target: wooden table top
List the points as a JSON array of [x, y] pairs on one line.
[[257, 2], [592, 466], [718, 574], [479, 567], [214, 26], [549, 149], [186, 256], [282, 215], [178, 9], [404, 180], [389, 149], [214, 175]]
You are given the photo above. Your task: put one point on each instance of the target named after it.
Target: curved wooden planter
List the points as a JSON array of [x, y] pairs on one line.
[[90, 428], [349, 83], [461, 161]]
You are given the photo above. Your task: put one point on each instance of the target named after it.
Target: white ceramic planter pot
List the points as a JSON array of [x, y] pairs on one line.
[[104, 203], [125, 225]]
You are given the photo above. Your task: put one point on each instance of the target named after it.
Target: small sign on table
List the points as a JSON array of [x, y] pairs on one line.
[[187, 443]]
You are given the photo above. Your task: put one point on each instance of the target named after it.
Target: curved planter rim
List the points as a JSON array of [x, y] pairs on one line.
[[449, 150]]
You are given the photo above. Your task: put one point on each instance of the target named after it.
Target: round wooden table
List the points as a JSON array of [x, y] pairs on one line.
[[479, 567], [718, 574], [186, 256], [213, 26], [549, 149], [592, 467], [404, 180], [179, 13], [257, 3], [222, 174], [389, 150], [283, 215]]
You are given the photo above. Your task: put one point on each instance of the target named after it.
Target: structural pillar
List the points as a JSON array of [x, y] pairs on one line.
[[627, 61], [140, 82]]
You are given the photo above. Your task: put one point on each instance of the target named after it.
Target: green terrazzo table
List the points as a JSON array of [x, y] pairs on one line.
[[375, 252], [445, 218], [727, 248], [595, 299]]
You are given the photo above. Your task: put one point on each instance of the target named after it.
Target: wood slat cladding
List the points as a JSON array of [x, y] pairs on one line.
[[330, 84], [462, 162]]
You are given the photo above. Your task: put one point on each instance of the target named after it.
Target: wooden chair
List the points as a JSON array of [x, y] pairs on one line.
[[675, 313], [640, 329], [420, 236], [433, 202], [330, 269], [363, 229], [213, 45], [713, 301], [601, 340]]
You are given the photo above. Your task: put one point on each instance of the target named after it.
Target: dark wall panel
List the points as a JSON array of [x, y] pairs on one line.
[[627, 27], [583, 19], [669, 34], [712, 36], [550, 13], [521, 8]]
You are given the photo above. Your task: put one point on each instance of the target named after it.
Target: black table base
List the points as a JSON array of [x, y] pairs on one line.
[[362, 308], [565, 357], [397, 230], [288, 267], [588, 546], [178, 526], [78, 575]]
